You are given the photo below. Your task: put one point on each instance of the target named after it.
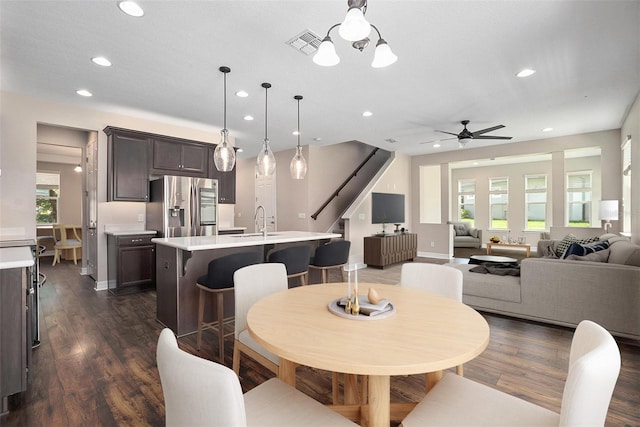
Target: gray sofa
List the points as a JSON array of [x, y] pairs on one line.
[[565, 292], [465, 236]]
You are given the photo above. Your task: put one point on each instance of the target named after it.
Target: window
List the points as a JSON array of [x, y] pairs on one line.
[[499, 202], [626, 185], [47, 194], [579, 199], [535, 189], [467, 201]]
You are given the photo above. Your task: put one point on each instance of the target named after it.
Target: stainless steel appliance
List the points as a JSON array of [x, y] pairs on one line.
[[183, 206]]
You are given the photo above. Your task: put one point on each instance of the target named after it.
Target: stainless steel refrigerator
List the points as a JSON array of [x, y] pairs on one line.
[[183, 206]]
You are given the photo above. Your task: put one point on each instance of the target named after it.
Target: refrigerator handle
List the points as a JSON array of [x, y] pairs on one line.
[[194, 209]]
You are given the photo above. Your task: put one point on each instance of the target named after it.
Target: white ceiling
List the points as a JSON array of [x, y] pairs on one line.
[[457, 60]]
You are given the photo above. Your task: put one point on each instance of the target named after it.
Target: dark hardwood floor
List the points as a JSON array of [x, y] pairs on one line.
[[96, 362]]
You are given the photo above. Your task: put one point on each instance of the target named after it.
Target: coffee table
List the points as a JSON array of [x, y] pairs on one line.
[[526, 246], [427, 334]]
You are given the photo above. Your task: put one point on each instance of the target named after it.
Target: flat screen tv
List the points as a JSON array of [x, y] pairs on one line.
[[387, 208]]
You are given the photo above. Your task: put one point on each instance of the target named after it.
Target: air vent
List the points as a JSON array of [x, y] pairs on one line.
[[306, 42]]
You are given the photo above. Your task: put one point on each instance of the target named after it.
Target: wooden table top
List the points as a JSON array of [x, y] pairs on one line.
[[427, 333]]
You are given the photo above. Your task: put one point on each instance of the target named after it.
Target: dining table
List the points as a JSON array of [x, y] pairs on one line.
[[424, 333]]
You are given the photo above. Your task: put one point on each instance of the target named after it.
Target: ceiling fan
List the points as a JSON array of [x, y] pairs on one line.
[[466, 136]]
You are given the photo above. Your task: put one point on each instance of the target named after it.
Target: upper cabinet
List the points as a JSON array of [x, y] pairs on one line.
[[176, 157], [127, 165]]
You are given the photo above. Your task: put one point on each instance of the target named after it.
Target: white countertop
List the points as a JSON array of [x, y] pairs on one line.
[[15, 257], [130, 232], [199, 243]]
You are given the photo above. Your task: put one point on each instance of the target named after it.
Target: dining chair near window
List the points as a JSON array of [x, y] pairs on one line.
[[443, 280], [295, 259], [594, 365], [330, 256], [201, 392], [218, 281], [251, 284], [62, 242]]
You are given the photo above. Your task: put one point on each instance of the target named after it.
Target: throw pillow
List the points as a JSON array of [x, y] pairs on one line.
[[600, 256], [576, 248], [460, 229], [564, 244]]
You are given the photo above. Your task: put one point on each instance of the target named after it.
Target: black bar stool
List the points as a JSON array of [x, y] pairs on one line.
[[295, 259], [217, 281], [331, 255]]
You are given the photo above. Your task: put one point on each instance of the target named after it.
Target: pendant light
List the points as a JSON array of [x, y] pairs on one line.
[[298, 166], [266, 161], [224, 155]]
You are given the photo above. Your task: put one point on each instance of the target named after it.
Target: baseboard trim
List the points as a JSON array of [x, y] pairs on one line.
[[101, 286], [434, 255]]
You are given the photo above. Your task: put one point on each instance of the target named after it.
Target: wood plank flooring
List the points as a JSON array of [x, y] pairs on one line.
[[96, 362]]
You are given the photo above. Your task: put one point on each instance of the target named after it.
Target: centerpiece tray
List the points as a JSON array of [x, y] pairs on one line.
[[375, 312]]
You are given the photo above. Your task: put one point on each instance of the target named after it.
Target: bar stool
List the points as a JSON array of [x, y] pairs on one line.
[[295, 259], [217, 281], [330, 256]]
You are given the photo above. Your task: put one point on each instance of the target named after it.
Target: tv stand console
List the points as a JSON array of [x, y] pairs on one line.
[[380, 251]]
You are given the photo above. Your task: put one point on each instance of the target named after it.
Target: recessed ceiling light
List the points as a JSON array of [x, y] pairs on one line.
[[547, 129], [239, 150], [242, 94], [131, 8], [84, 92], [295, 132], [526, 72], [101, 60], [367, 114], [248, 118], [436, 145], [317, 138]]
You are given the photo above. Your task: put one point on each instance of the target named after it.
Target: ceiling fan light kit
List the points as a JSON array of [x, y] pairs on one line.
[[355, 28]]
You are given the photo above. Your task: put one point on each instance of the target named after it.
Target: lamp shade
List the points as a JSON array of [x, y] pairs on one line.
[[609, 210], [326, 54], [298, 166], [354, 27], [266, 161], [224, 155], [383, 56]]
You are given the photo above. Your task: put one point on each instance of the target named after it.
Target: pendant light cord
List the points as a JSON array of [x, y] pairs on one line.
[[266, 94], [225, 101], [298, 122]]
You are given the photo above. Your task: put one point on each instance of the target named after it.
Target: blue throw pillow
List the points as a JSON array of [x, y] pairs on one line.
[[582, 250]]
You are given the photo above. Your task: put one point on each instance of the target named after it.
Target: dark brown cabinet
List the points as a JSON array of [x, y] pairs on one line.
[[131, 263], [380, 251], [127, 166], [15, 333], [175, 157], [226, 181]]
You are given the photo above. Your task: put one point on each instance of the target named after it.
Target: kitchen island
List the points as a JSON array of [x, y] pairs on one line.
[[181, 260]]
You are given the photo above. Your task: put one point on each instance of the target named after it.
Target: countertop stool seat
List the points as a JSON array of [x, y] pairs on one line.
[[218, 281], [295, 259], [329, 256]]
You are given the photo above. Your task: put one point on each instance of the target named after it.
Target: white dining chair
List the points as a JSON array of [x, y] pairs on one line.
[[441, 279], [594, 365], [251, 284], [199, 392]]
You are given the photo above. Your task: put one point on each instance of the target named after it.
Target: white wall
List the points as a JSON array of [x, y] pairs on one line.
[[19, 119], [631, 126]]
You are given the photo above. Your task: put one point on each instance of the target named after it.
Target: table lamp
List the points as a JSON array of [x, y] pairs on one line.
[[608, 212]]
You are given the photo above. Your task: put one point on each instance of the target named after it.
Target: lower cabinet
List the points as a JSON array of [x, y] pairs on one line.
[[380, 251], [131, 263]]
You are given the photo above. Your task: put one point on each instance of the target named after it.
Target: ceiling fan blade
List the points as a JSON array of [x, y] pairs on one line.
[[437, 140], [448, 133], [480, 132], [492, 137]]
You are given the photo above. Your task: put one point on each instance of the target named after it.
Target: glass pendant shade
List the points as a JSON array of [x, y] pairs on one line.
[[298, 167], [354, 27], [224, 155], [326, 54], [383, 57], [266, 162]]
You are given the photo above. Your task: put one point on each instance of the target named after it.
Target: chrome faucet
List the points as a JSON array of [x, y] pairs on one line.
[[263, 230]]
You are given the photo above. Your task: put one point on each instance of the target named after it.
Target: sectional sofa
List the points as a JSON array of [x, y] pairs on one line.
[[566, 291]]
